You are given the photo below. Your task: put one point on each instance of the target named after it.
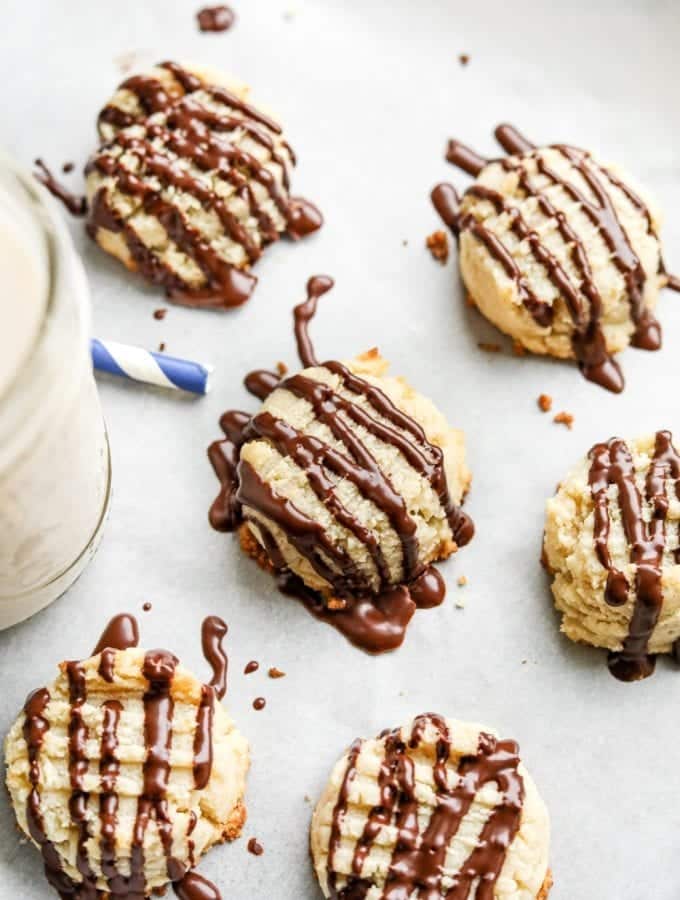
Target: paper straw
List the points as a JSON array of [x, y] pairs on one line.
[[149, 367]]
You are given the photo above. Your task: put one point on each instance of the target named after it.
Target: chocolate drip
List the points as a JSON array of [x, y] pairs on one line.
[[303, 313], [194, 132], [446, 201], [419, 855], [612, 464], [260, 383], [583, 300], [215, 18], [465, 158], [195, 887], [203, 748], [302, 217], [512, 141], [213, 633], [76, 205], [121, 633]]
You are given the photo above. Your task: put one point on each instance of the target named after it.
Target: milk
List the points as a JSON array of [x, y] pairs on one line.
[[54, 455]]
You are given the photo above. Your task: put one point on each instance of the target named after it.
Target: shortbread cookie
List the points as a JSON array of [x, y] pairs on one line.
[[611, 546], [191, 183], [348, 479], [439, 808], [558, 250], [126, 769]]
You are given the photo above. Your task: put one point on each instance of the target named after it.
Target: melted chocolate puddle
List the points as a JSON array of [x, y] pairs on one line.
[[375, 623], [582, 298], [159, 668], [74, 203], [419, 856]]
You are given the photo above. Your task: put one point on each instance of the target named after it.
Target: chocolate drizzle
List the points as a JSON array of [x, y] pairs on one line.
[[189, 130], [373, 619], [612, 464], [418, 858], [159, 669], [581, 298], [75, 204], [121, 633]]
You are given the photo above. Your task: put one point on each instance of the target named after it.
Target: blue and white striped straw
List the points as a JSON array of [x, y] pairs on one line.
[[149, 367]]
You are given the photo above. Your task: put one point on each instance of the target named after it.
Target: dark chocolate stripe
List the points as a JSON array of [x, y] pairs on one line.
[[612, 464], [78, 766], [109, 769]]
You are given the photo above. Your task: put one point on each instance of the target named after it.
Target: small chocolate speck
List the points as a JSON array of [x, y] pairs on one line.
[[251, 667], [276, 673], [160, 313], [464, 59], [215, 18], [161, 347], [255, 847], [259, 703], [147, 606], [68, 167]]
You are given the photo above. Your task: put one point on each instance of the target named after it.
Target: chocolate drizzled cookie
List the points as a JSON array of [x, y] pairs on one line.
[[190, 184]]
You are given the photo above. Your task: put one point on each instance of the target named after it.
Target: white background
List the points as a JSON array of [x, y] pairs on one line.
[[369, 92]]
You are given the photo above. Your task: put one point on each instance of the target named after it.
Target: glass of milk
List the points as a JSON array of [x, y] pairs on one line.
[[55, 468]]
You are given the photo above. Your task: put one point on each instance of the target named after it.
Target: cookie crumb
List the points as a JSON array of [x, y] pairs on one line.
[[161, 347], [460, 604], [282, 368], [276, 673], [545, 402], [160, 313], [438, 245], [464, 59], [336, 603], [462, 580], [518, 349], [564, 418], [489, 348]]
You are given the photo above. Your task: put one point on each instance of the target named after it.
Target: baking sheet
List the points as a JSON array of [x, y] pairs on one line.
[[369, 92]]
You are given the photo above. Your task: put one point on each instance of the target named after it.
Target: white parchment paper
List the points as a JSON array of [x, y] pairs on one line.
[[369, 92]]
